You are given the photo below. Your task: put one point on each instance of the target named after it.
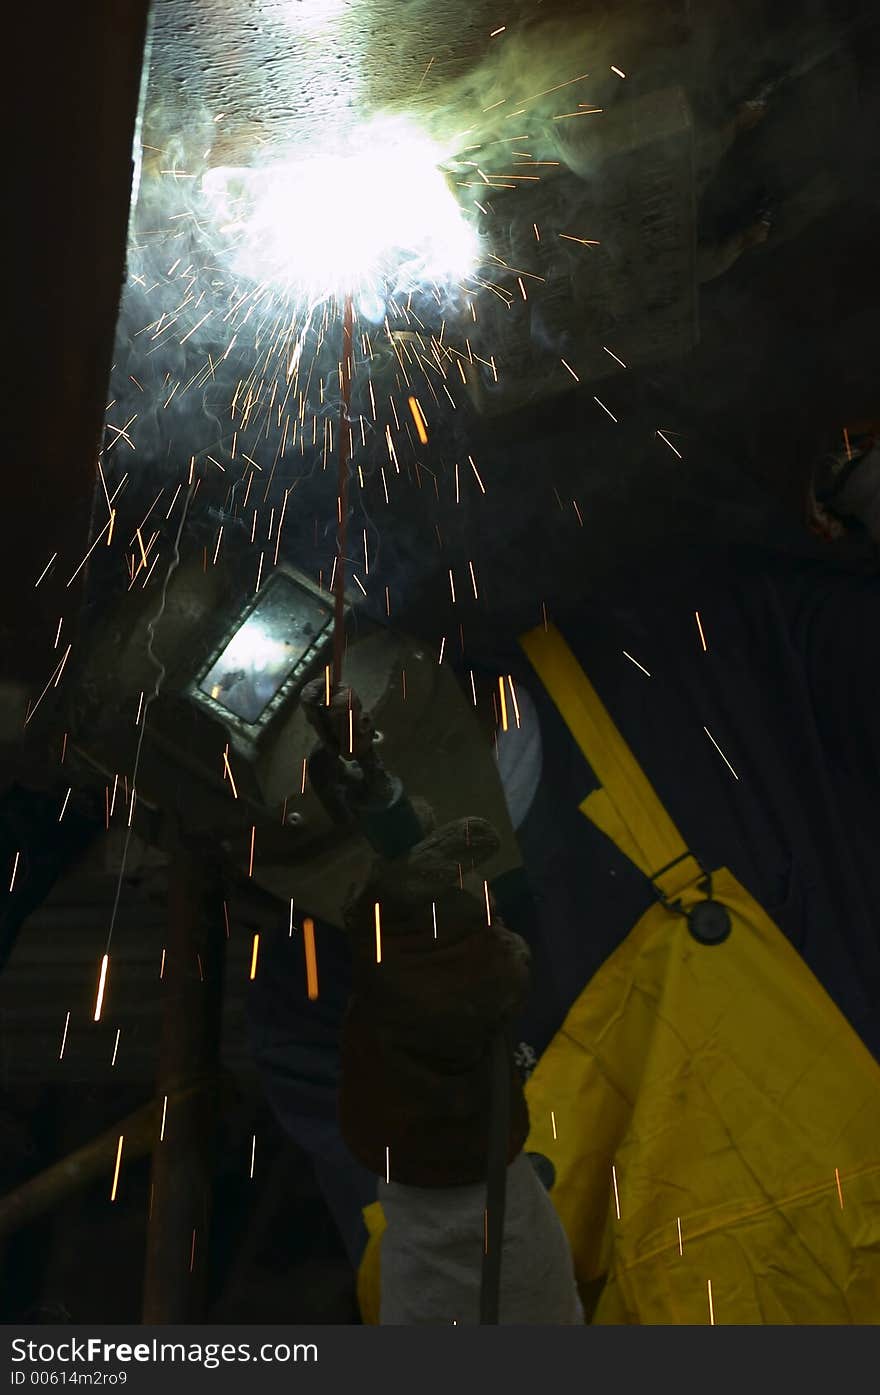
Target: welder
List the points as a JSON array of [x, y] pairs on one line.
[[685, 973]]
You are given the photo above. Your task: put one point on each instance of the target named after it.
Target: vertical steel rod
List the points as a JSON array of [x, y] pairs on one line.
[[176, 1273]]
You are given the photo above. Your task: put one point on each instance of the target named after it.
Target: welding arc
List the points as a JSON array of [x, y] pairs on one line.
[[342, 520]]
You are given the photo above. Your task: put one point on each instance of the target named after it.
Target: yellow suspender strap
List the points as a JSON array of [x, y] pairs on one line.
[[626, 807]]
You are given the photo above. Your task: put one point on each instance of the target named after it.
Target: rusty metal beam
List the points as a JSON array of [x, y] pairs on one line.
[[176, 1270], [94, 1159]]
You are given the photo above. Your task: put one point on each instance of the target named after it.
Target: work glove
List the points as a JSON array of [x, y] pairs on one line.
[[846, 488], [431, 990], [857, 495]]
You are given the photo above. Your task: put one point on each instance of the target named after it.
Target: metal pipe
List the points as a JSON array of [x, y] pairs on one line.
[[39, 1194], [175, 1278]]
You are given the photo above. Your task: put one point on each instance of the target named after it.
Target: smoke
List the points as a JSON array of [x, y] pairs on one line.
[[236, 379], [219, 373], [518, 95]]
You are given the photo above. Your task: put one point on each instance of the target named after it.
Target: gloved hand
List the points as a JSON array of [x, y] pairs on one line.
[[846, 488], [858, 495], [416, 1067]]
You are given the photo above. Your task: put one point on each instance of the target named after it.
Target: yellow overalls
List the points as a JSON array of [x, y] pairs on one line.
[[713, 1119]]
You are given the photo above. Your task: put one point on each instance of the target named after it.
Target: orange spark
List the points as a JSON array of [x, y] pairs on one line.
[[56, 676], [503, 704], [667, 442], [229, 771], [477, 473], [45, 569], [513, 697], [636, 662], [547, 90], [418, 417], [311, 959], [605, 409], [614, 356], [255, 951], [116, 1171], [721, 753], [102, 983]]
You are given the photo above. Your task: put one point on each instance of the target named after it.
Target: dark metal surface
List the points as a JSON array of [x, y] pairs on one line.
[[628, 190], [73, 86], [293, 71]]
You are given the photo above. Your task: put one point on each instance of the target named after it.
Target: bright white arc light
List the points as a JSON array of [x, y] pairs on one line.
[[380, 219], [314, 14]]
